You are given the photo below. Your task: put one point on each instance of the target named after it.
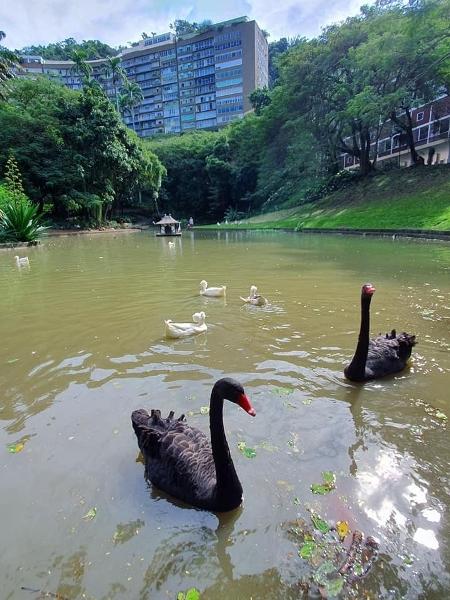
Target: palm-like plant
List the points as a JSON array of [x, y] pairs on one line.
[[130, 97], [20, 221], [81, 67], [8, 64], [113, 69]]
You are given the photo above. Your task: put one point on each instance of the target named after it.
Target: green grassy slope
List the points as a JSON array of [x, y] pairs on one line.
[[416, 198]]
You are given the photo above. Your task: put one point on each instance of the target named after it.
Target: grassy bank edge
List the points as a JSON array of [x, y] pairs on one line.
[[411, 199]]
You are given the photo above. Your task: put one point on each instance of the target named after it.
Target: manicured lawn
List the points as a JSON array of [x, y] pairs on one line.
[[407, 199]]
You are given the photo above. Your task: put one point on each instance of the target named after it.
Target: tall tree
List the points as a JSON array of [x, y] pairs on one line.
[[82, 68], [8, 65], [73, 151], [130, 97], [114, 70]]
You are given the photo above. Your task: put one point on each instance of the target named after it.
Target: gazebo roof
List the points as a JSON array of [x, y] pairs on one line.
[[167, 220]]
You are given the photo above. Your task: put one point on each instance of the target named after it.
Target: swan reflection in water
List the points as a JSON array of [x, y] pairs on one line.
[[194, 552]]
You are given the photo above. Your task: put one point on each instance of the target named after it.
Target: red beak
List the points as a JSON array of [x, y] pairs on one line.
[[244, 403]]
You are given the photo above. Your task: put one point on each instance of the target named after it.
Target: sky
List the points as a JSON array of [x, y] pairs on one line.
[[118, 22]]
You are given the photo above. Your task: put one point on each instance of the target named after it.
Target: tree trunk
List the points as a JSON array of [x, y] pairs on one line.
[[407, 127], [365, 164]]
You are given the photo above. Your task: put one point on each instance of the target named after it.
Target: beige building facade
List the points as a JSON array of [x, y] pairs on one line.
[[194, 81]]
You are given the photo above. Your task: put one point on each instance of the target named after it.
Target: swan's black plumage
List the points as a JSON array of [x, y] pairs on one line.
[[180, 459], [381, 356]]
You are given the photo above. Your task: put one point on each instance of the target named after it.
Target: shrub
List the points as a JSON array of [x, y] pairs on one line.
[[20, 221]]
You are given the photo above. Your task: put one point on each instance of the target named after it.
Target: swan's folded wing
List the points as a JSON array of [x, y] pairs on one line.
[[148, 436], [386, 356], [185, 460]]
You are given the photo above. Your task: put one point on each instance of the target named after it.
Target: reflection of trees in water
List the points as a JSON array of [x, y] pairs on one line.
[[194, 552], [268, 585], [399, 464], [71, 574]]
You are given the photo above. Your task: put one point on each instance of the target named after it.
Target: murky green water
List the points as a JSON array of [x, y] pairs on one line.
[[82, 346]]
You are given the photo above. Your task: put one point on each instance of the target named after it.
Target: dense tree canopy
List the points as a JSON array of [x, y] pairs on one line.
[[64, 50], [335, 93], [332, 94], [73, 151]]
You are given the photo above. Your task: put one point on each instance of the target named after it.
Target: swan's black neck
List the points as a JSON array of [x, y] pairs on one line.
[[357, 368], [228, 488]]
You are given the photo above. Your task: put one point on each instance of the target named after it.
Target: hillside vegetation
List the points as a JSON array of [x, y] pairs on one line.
[[337, 93], [415, 198]]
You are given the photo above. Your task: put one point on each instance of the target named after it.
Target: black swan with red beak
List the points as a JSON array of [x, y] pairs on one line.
[[180, 459], [381, 356]]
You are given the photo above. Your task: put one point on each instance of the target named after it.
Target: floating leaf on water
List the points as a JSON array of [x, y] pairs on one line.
[[408, 560], [246, 451], [329, 477], [306, 401], [204, 410], [326, 568], [296, 500], [125, 531], [440, 415], [191, 594], [90, 514], [342, 529], [15, 447], [283, 391], [329, 480], [320, 523], [307, 550], [334, 586], [11, 361], [358, 569], [320, 488]]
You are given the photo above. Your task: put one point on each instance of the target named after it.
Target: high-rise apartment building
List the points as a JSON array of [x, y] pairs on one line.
[[194, 81]]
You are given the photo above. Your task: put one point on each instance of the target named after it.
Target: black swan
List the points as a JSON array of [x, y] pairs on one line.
[[383, 355], [180, 460]]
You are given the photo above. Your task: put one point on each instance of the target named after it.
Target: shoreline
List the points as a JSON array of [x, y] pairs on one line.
[[412, 234], [425, 234], [70, 232]]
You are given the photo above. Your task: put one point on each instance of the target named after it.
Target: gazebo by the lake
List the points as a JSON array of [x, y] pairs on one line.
[[169, 226]]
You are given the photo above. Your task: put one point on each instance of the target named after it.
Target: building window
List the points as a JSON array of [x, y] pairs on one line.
[[423, 133], [420, 116]]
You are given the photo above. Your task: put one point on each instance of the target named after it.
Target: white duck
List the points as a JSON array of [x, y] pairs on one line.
[[178, 330], [212, 291], [22, 262], [255, 298]]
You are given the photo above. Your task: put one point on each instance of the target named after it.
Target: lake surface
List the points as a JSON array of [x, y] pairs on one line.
[[82, 346]]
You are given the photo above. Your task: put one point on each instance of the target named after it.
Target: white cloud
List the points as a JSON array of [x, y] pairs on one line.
[[44, 21]]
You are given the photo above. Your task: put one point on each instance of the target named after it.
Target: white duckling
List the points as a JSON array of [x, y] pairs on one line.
[[178, 330], [212, 291], [255, 298], [22, 261]]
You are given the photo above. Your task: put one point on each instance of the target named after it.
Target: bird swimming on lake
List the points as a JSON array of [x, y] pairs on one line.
[[178, 330], [215, 292], [381, 356], [21, 262], [180, 459], [254, 298]]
